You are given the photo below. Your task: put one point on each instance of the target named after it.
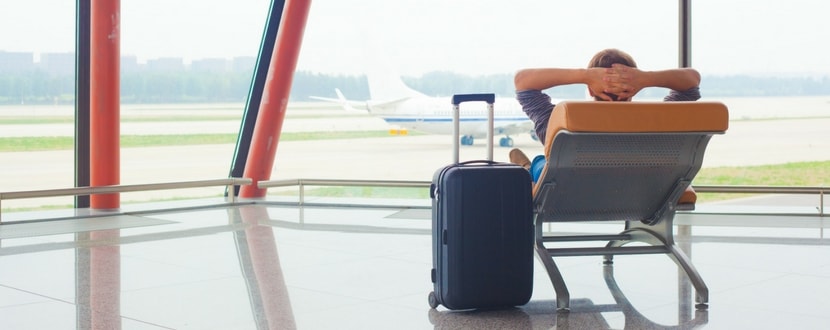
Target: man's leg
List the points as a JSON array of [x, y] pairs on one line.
[[536, 167], [519, 157]]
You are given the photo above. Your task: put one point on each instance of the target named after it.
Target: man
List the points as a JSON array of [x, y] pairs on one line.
[[612, 75]]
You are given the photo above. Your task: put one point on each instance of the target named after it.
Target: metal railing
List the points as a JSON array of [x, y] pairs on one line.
[[302, 183], [820, 191], [231, 183]]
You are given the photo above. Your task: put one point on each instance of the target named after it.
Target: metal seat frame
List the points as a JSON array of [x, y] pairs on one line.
[[637, 178]]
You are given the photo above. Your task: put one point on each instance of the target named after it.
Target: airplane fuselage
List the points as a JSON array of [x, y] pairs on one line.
[[408, 109], [434, 115]]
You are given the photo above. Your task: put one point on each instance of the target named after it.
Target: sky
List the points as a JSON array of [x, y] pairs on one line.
[[761, 37]]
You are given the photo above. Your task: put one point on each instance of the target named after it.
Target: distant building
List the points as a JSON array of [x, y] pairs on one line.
[[165, 64], [58, 63], [129, 64], [16, 61], [64, 64], [216, 65], [244, 64]]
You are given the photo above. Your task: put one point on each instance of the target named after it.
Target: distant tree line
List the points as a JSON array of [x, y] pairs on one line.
[[764, 86], [39, 87]]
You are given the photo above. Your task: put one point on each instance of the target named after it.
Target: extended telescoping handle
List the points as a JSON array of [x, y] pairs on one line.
[[457, 99]]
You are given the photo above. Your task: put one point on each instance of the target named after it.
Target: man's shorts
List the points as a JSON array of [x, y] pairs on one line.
[[536, 167]]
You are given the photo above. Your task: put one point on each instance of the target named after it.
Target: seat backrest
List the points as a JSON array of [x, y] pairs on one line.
[[623, 160]]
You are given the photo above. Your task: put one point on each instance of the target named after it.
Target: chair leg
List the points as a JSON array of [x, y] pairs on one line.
[[701, 290], [639, 320], [662, 234], [563, 297], [659, 235]]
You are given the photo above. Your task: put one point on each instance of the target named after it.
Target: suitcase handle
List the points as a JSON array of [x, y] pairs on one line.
[[457, 99], [488, 162], [460, 98]]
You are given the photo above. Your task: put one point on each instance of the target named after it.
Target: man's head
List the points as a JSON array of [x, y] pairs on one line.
[[605, 58]]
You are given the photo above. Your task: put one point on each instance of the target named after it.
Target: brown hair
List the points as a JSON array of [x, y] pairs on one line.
[[605, 58]]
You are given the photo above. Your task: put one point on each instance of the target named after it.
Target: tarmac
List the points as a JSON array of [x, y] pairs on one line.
[[403, 157]]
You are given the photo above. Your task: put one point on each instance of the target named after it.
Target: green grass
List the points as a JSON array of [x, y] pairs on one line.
[[8, 144], [790, 174], [29, 120]]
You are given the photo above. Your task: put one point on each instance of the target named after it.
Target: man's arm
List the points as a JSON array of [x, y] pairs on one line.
[[628, 81], [620, 80], [544, 78]]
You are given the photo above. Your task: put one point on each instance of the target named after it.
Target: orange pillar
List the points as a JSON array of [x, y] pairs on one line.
[[104, 134], [275, 96]]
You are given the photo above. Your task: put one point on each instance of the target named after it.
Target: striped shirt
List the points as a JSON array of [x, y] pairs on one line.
[[538, 107]]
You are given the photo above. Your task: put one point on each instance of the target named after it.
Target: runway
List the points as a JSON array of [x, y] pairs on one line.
[[409, 157]]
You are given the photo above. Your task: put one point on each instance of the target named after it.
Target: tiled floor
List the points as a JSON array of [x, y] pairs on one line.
[[263, 266]]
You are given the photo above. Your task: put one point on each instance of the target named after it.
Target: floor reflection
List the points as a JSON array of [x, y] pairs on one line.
[[272, 266], [260, 264], [98, 281], [98, 273], [584, 314]]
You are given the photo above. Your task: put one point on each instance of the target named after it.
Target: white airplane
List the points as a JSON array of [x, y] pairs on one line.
[[401, 106]]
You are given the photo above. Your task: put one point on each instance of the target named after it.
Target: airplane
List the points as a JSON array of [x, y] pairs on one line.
[[399, 105]]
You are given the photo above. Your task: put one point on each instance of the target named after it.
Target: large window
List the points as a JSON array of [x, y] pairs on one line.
[[186, 71]]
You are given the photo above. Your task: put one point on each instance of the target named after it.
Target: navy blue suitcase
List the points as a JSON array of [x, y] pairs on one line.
[[482, 229]]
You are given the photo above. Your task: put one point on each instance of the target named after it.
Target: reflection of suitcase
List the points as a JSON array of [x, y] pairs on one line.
[[482, 229]]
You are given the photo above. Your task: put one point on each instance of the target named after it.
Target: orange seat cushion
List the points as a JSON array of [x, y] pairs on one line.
[[636, 117], [689, 196]]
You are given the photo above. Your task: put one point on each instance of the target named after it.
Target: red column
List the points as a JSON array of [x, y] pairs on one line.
[[104, 134], [275, 96]]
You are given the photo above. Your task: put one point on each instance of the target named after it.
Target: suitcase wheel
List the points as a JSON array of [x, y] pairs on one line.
[[433, 300]]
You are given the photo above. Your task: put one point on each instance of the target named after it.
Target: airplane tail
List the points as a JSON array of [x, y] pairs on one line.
[[386, 85], [344, 102]]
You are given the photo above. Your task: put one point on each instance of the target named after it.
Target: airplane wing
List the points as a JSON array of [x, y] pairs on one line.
[[514, 128], [347, 105]]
